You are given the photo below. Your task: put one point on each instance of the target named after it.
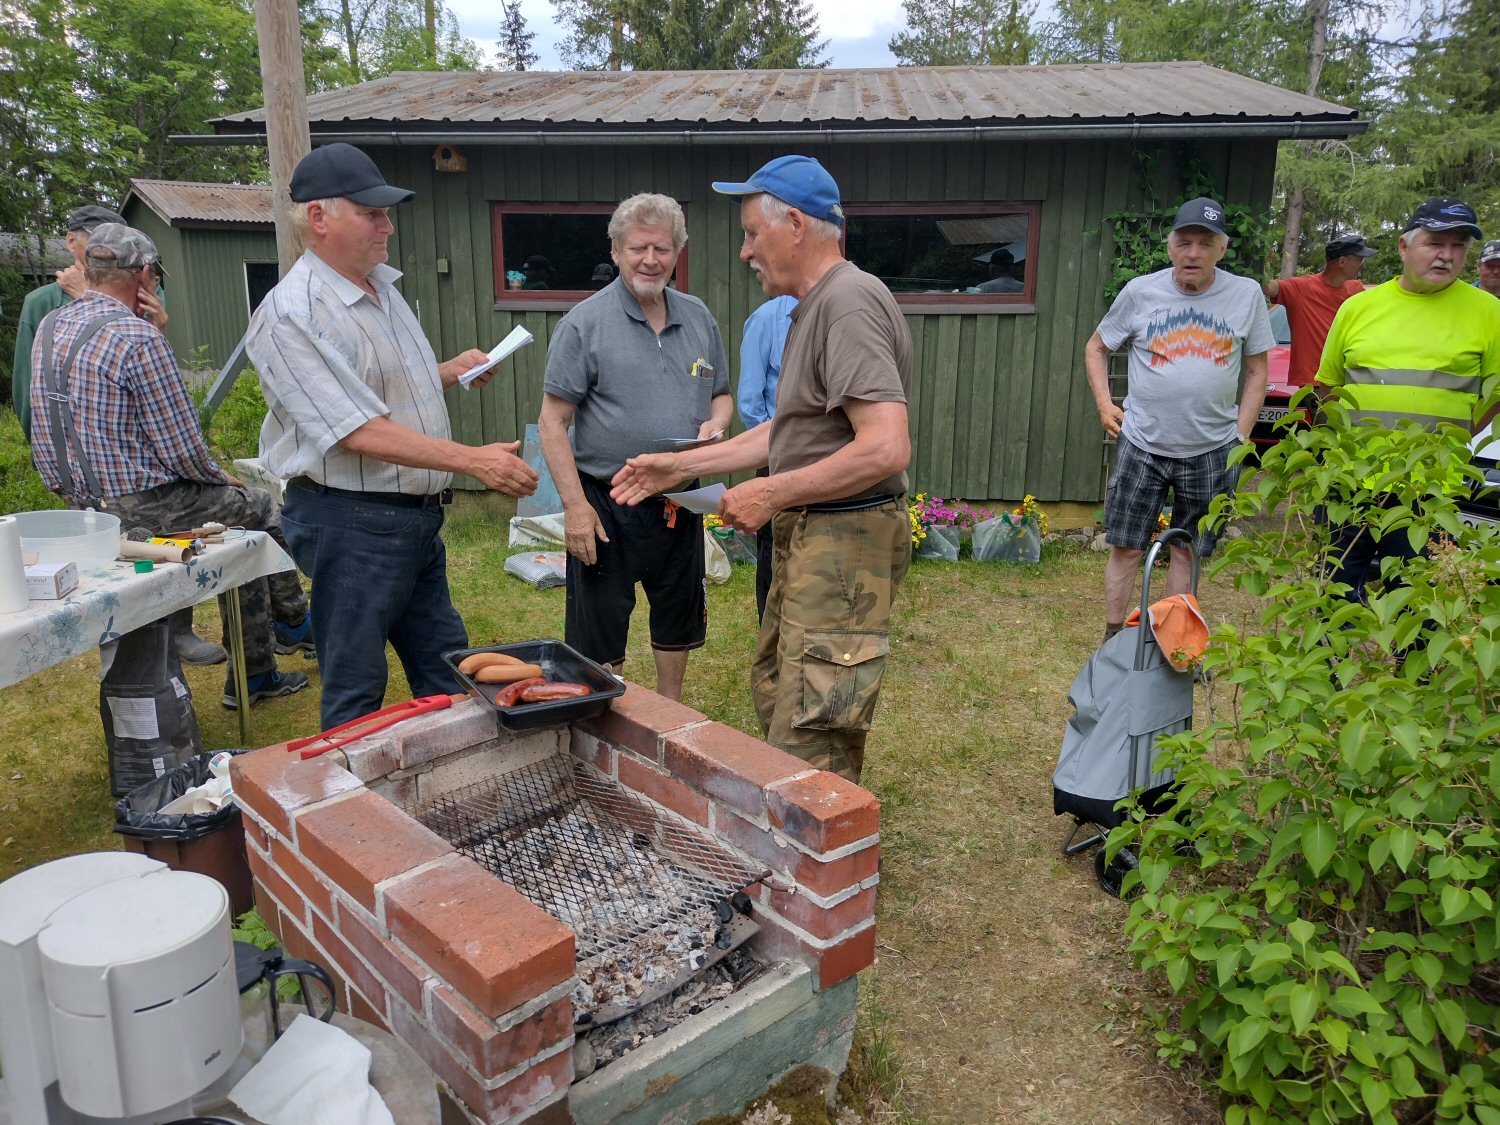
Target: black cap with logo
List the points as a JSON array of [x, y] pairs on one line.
[[1444, 213], [1200, 212]]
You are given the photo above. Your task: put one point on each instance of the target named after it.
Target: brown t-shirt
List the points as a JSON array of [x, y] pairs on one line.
[[848, 341]]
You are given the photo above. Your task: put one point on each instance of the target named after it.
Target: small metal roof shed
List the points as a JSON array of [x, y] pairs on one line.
[[183, 204]]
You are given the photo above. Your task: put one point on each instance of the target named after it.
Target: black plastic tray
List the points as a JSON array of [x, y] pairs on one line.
[[558, 662]]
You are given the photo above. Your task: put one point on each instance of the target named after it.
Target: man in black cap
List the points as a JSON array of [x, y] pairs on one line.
[[1489, 268], [357, 423], [1191, 329], [1310, 302], [537, 271], [54, 295]]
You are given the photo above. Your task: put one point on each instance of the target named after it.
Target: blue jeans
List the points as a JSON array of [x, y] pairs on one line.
[[379, 573]]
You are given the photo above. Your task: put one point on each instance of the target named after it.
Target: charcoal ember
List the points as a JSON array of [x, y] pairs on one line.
[[723, 911], [660, 1027], [696, 959], [723, 939], [695, 940], [639, 842], [741, 902]]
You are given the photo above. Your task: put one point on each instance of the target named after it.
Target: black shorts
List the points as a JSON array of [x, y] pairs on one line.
[[666, 561]]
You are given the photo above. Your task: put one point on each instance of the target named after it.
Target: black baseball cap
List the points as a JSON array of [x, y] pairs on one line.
[[1200, 212], [1443, 213], [90, 216], [340, 171], [1349, 246]]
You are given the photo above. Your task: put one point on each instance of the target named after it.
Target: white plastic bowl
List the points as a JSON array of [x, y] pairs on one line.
[[89, 539]]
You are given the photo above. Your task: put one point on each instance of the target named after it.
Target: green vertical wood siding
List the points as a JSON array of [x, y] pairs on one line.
[[999, 406]]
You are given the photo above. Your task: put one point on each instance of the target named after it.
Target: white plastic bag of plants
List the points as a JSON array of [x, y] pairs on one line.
[[1000, 540], [941, 542]]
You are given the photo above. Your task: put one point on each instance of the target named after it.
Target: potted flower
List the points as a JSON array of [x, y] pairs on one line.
[[1013, 536], [938, 525]]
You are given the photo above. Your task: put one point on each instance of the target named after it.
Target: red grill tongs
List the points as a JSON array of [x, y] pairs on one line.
[[369, 724]]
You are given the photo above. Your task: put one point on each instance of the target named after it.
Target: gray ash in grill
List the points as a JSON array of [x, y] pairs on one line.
[[646, 897]]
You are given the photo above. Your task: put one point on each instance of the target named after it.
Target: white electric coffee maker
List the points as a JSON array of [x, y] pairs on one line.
[[118, 996]]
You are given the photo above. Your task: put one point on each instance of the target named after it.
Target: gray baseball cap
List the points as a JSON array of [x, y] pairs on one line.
[[116, 246], [90, 216]]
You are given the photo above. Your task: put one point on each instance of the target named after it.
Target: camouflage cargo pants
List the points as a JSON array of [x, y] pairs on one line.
[[823, 643], [186, 504]]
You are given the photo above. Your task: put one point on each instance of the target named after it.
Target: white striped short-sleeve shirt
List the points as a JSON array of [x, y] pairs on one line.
[[331, 358]]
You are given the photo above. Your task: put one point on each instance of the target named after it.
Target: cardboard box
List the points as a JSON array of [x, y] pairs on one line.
[[50, 581]]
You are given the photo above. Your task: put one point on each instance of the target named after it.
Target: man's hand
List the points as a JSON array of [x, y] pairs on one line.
[[645, 476], [497, 466], [72, 281], [711, 429], [747, 507], [582, 529], [1110, 417], [465, 361], [147, 307]]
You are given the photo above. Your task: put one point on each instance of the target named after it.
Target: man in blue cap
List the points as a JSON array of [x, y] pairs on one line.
[[357, 424], [837, 448]]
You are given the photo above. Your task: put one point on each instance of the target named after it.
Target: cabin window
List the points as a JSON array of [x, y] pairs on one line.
[[553, 255], [260, 279], [959, 257]]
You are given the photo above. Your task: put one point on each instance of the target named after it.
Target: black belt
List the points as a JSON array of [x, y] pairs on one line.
[[389, 499], [858, 504]]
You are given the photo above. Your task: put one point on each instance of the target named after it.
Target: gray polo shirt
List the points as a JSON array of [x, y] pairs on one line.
[[632, 388]]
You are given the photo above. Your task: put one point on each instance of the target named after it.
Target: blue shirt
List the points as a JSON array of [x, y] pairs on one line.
[[760, 359]]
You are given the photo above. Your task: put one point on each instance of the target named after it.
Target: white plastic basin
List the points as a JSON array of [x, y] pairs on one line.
[[89, 539]]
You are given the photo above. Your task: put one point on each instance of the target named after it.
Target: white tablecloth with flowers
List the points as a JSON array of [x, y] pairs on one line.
[[109, 603]]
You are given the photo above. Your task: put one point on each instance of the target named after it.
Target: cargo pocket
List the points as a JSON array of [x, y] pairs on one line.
[[841, 675]]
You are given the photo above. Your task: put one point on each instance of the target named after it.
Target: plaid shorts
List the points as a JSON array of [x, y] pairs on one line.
[[1139, 487]]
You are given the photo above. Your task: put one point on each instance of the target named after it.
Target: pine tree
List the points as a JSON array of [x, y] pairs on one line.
[[687, 34], [966, 33], [514, 46]]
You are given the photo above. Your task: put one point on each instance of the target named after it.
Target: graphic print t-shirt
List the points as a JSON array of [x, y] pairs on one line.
[[1185, 356]]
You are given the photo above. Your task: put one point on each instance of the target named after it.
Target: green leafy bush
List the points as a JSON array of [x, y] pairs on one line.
[[21, 487], [233, 430], [1323, 901]]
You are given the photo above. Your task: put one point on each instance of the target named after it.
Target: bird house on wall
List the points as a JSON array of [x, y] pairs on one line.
[[449, 158]]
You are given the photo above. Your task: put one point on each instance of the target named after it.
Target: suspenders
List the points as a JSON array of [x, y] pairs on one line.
[[60, 410]]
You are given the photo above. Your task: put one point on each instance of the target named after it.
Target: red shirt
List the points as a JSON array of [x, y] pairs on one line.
[[1310, 304]]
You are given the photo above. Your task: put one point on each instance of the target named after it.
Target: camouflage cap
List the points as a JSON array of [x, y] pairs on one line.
[[116, 246]]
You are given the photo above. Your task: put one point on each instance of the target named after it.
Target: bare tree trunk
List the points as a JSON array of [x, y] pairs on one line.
[[1317, 51], [351, 40], [279, 31], [432, 31]]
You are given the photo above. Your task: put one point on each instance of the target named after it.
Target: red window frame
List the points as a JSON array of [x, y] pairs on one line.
[[550, 299], [1022, 302]]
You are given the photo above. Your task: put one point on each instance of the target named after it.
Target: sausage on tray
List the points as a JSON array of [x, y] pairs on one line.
[[477, 660], [546, 692], [507, 673], [510, 695]]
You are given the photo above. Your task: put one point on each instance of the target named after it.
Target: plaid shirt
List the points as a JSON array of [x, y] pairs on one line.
[[134, 419]]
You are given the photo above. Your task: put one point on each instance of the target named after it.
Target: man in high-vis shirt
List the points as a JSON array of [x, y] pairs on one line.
[[1417, 348]]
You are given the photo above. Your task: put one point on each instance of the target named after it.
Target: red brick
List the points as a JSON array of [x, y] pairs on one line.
[[511, 1101], [826, 877], [361, 1008], [415, 1033], [825, 922], [479, 935], [403, 973], [846, 958], [823, 811], [638, 719], [728, 765], [271, 888], [490, 1051], [255, 833], [592, 749], [290, 864], [295, 940], [276, 784], [346, 962], [363, 840], [642, 779]]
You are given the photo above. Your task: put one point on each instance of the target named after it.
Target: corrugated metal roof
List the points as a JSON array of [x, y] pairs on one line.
[[179, 202], [1170, 91], [19, 252]]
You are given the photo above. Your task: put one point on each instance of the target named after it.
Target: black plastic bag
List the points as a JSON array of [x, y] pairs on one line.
[[147, 708], [138, 812]]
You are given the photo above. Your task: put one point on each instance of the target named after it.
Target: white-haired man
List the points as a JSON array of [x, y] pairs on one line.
[[356, 420], [838, 448], [633, 366], [1191, 328]]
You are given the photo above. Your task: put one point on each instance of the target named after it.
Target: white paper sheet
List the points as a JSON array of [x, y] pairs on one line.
[[690, 442], [514, 342], [134, 718], [701, 500]]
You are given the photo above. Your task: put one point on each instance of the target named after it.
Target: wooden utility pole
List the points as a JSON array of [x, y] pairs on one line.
[[285, 87]]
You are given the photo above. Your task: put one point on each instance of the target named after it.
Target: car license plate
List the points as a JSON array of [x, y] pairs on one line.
[[1273, 413]]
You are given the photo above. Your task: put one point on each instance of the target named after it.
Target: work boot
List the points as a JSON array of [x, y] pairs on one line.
[[295, 638], [266, 685], [193, 649]]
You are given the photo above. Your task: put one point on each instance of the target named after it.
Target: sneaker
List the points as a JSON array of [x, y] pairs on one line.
[[294, 638], [267, 685], [193, 649]]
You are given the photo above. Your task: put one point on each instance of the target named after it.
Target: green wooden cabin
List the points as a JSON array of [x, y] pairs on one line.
[[940, 170]]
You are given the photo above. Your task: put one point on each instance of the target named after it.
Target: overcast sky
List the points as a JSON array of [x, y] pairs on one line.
[[857, 30]]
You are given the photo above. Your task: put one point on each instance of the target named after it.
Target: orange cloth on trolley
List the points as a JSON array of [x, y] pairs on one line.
[[1180, 629]]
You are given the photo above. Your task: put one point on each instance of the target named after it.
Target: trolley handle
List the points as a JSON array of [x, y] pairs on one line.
[[1167, 537]]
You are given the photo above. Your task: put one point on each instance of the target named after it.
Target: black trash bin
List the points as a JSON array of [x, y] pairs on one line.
[[211, 844]]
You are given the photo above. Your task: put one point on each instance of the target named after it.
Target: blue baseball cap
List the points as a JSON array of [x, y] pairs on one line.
[[797, 180], [1445, 213]]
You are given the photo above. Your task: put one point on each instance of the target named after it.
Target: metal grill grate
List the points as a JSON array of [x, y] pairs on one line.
[[642, 894]]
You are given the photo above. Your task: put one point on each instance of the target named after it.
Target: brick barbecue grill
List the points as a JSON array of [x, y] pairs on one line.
[[482, 982]]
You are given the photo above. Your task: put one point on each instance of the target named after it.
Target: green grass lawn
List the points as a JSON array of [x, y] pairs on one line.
[[1000, 993]]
